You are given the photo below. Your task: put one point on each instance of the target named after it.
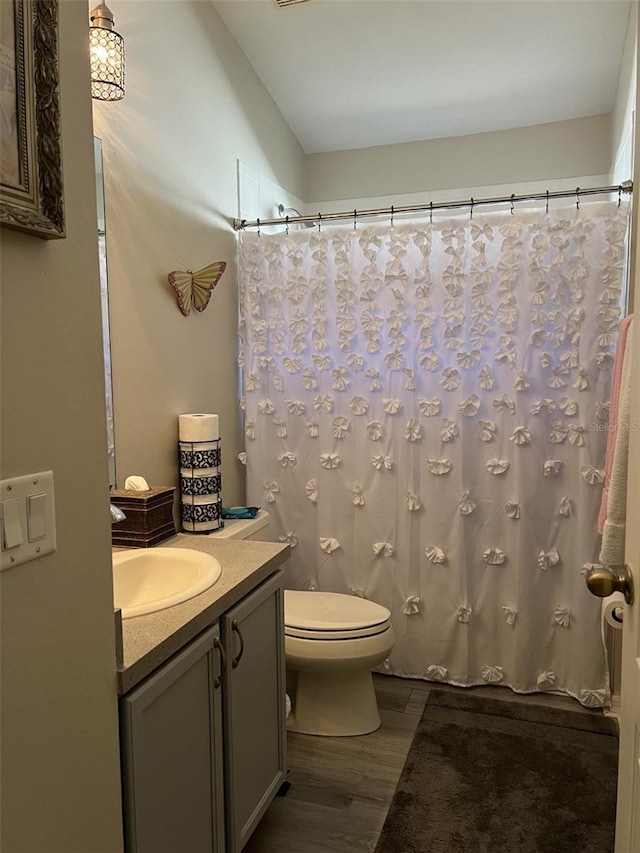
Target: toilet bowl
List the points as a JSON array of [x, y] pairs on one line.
[[332, 642]]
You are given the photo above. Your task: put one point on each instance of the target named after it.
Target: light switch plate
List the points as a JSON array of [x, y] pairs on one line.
[[36, 517]]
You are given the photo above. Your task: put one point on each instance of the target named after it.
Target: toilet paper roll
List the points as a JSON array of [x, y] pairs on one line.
[[200, 499], [203, 526], [197, 473], [198, 427], [198, 459], [201, 485], [199, 446], [209, 513], [613, 610]]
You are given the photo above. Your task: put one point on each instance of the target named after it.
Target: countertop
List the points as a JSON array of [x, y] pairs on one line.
[[148, 641]]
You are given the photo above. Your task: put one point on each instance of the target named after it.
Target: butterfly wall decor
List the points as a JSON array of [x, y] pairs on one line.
[[195, 287]]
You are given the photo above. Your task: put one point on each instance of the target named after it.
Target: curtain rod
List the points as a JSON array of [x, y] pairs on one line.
[[319, 218]]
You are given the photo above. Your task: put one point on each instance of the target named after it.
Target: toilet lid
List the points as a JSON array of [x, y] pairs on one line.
[[332, 616]]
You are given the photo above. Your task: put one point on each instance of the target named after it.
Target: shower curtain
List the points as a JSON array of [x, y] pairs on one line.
[[425, 420]]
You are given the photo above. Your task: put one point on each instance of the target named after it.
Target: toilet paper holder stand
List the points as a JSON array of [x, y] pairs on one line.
[[198, 457], [604, 580]]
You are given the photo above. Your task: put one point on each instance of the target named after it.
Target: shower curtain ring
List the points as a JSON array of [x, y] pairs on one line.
[[319, 221], [577, 198], [287, 224], [431, 212], [619, 194], [258, 224], [392, 216], [513, 196], [546, 210], [355, 218], [471, 210]]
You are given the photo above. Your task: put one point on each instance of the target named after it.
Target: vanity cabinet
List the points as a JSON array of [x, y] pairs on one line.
[[204, 736]]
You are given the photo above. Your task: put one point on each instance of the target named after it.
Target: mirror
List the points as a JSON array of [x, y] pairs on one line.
[[104, 298]]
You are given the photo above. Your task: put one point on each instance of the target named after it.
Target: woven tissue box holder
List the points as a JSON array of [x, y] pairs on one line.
[[149, 517]]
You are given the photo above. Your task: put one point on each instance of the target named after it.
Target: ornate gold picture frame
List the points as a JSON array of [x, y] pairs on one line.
[[31, 191]]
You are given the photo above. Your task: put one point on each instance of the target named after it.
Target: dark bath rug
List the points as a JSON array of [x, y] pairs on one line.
[[497, 776]]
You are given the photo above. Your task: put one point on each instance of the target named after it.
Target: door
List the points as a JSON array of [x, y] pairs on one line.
[[628, 809], [172, 755], [628, 815], [254, 708]]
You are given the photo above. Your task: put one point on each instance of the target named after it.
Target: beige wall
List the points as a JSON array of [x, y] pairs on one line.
[[622, 115], [60, 771], [560, 150], [193, 108]]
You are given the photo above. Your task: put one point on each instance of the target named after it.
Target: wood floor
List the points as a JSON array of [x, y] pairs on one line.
[[341, 788]]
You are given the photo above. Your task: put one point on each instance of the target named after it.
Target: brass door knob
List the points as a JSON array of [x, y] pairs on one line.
[[605, 580]]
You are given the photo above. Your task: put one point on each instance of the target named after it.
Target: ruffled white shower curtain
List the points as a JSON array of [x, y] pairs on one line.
[[425, 420]]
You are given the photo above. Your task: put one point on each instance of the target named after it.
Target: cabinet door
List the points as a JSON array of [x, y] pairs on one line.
[[172, 755], [254, 708]]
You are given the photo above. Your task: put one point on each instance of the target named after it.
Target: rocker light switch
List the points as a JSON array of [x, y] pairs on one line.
[[28, 518], [12, 535], [36, 516]]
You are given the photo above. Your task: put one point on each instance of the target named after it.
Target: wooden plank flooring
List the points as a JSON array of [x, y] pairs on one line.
[[341, 788]]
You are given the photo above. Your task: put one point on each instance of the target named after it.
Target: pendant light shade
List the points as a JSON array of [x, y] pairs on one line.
[[107, 56]]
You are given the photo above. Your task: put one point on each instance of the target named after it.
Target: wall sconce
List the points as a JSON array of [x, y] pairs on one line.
[[106, 48]]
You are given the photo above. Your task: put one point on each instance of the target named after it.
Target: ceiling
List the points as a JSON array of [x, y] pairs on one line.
[[357, 73]]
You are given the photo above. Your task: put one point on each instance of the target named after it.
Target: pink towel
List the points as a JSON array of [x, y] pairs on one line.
[[613, 417]]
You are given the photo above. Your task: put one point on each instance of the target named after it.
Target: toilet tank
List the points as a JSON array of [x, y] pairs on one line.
[[256, 528]]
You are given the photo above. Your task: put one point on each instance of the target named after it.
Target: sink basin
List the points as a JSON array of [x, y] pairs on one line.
[[146, 581]]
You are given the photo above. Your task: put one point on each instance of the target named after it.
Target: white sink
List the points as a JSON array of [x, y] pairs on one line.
[[150, 580]]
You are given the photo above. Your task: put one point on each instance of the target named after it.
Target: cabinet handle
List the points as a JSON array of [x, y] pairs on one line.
[[217, 644], [235, 627]]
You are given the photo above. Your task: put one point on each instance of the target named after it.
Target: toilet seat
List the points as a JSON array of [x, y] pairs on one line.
[[332, 616]]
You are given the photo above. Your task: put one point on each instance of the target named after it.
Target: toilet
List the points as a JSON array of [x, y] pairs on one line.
[[332, 642]]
